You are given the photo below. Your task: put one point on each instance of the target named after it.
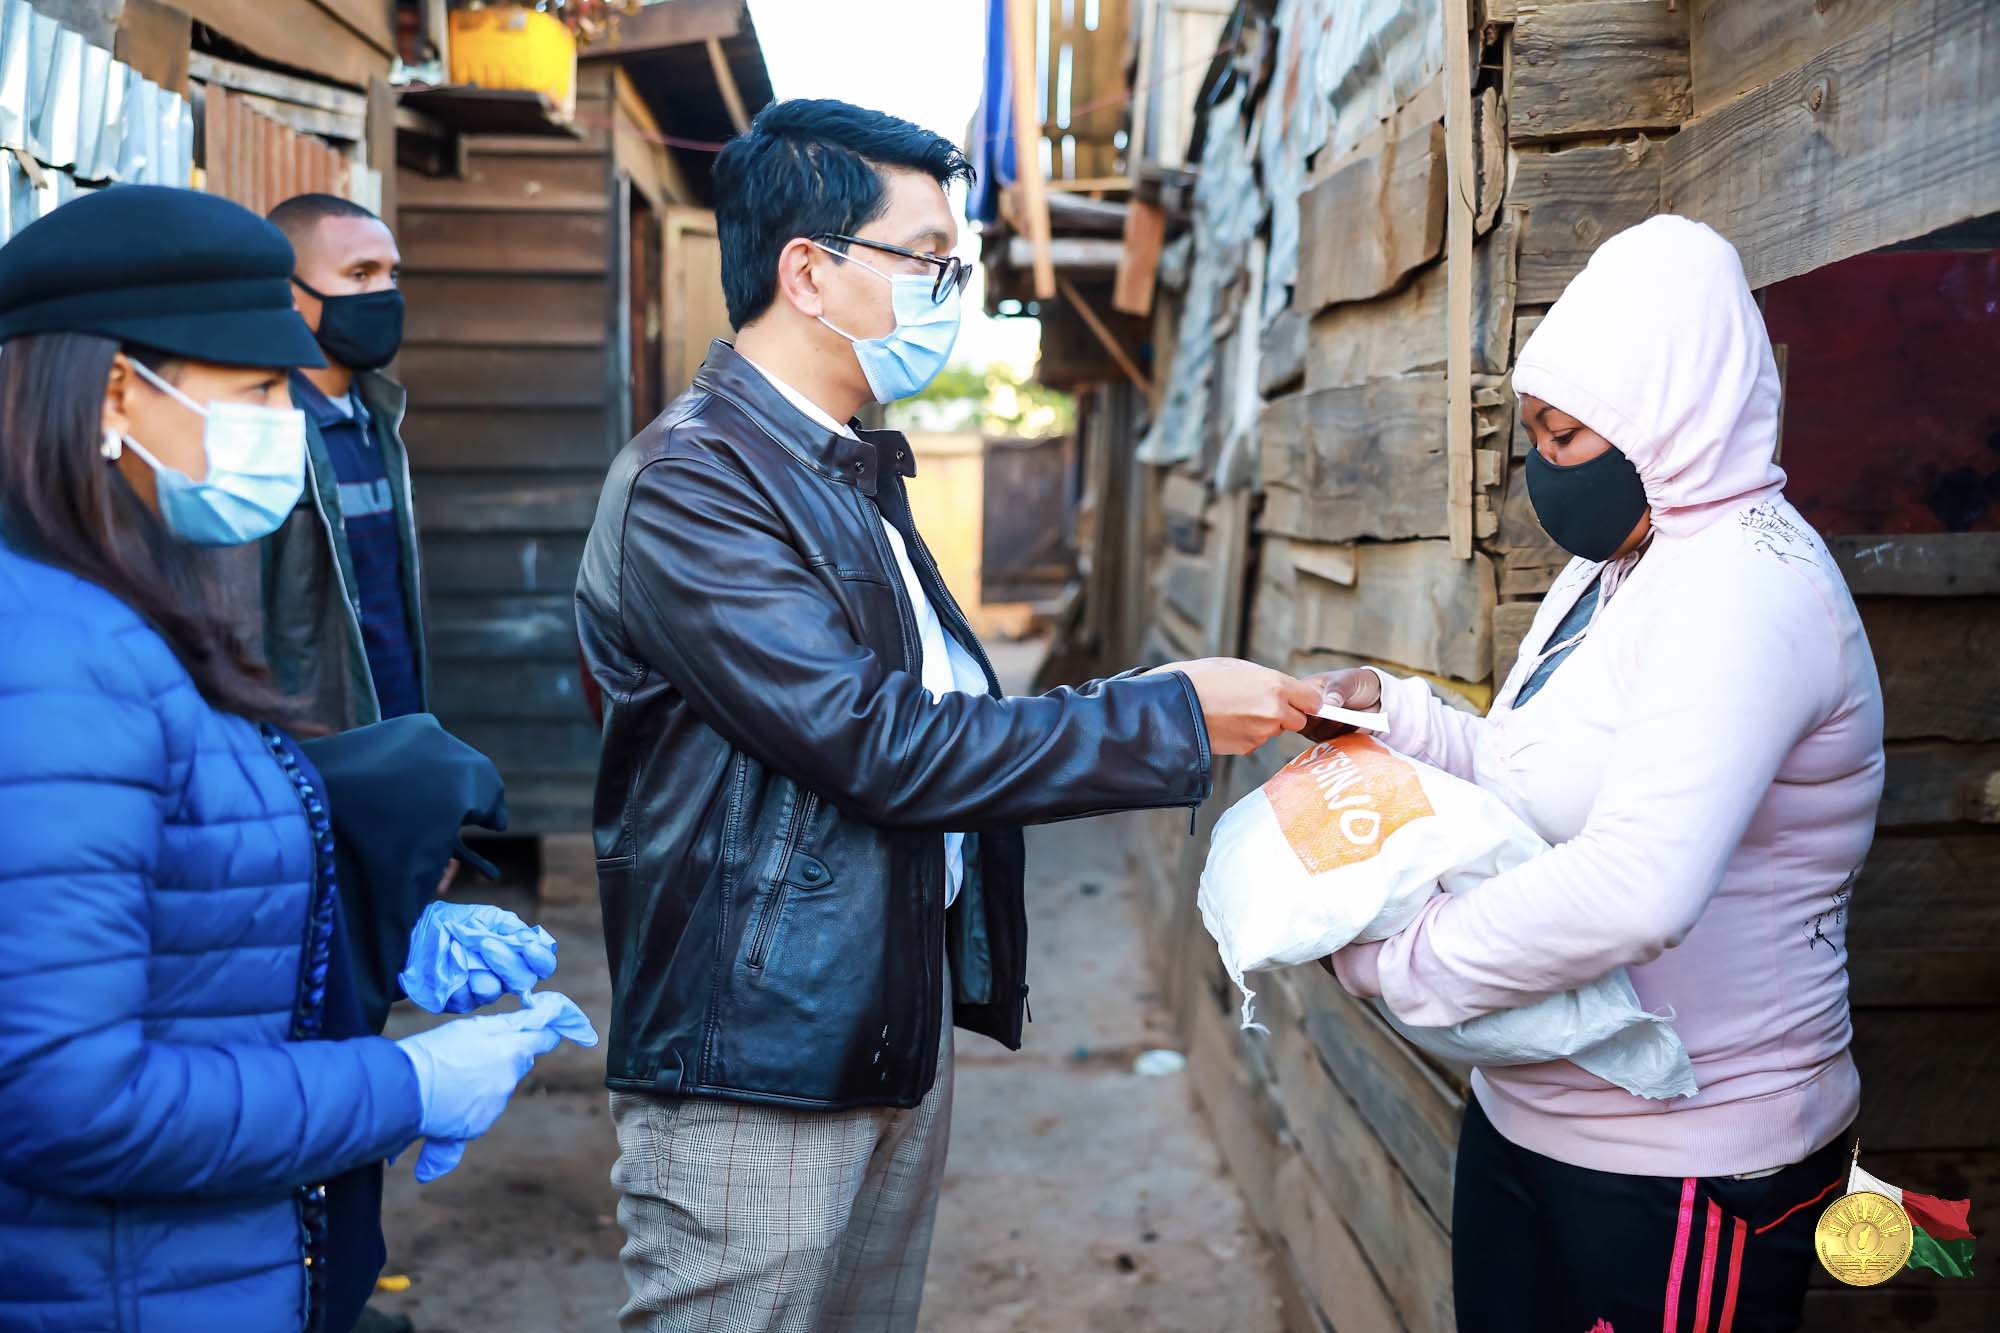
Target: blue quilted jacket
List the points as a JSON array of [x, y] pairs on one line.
[[158, 1130]]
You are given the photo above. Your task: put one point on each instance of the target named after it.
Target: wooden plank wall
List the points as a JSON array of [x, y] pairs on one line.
[[1591, 115], [252, 159], [510, 279], [348, 41], [1080, 88]]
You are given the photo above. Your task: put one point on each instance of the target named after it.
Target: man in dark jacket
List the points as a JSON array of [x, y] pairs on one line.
[[811, 794], [342, 610]]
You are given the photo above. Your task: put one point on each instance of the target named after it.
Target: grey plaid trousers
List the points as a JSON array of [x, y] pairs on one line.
[[755, 1219]]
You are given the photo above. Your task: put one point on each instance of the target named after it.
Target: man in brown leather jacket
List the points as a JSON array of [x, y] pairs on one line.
[[810, 800]]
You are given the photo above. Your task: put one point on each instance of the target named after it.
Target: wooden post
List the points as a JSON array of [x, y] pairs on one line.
[[1028, 142], [725, 83], [437, 26], [1460, 189], [1104, 335], [1142, 79], [1139, 262]]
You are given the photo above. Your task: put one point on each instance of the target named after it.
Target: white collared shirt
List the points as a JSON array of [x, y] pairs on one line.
[[946, 667]]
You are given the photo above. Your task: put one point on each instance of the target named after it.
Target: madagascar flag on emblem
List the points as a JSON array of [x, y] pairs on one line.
[[1943, 1241]]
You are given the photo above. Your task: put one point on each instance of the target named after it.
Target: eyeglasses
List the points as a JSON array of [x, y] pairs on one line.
[[952, 272]]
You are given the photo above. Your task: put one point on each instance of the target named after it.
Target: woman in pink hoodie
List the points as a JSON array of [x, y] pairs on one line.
[[1695, 726]]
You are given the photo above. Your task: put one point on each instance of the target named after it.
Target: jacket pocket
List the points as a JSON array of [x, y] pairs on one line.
[[792, 867], [874, 612]]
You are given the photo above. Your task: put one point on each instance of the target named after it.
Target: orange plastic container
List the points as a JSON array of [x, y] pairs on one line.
[[512, 46]]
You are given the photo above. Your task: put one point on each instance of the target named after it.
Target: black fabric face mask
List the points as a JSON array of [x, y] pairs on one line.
[[1590, 509], [361, 331]]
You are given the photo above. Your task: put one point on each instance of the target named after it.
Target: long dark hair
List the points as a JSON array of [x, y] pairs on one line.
[[64, 504]]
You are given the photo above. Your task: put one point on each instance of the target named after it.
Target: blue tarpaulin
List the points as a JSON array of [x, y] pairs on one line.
[[992, 147]]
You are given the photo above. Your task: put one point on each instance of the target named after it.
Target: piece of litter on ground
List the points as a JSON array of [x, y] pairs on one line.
[[1156, 1064], [393, 1283], [1360, 721]]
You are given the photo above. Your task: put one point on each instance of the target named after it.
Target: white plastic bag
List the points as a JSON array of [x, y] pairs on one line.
[[1346, 843]]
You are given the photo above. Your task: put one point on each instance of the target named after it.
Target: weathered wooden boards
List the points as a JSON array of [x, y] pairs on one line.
[[1334, 1198], [509, 359], [1511, 623], [1890, 133], [1461, 205], [1939, 659], [1410, 603], [1340, 1134], [1888, 130], [1145, 231], [1373, 221], [1737, 45], [1572, 201], [1934, 782], [1597, 66], [1941, 564], [1358, 461], [1529, 560], [1405, 330]]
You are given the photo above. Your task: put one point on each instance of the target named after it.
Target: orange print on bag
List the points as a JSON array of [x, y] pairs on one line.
[[1339, 801]]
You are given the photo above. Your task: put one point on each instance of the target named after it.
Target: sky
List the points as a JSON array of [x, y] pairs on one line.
[[922, 60]]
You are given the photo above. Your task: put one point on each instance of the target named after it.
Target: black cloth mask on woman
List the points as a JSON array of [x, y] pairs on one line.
[[1589, 509], [360, 331]]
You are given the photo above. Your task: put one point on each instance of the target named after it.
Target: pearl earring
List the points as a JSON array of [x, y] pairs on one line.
[[113, 446]]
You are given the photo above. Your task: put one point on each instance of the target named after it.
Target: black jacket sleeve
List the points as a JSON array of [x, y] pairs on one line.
[[718, 601], [398, 793]]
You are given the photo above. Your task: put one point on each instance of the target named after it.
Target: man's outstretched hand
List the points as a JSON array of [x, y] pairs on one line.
[[1245, 704]]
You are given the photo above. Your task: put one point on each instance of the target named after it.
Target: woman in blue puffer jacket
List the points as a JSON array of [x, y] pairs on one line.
[[168, 1115]]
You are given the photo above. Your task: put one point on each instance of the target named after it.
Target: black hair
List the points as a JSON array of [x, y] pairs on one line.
[[300, 214], [809, 167], [68, 507]]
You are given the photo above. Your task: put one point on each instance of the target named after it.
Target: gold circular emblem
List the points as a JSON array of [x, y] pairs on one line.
[[1864, 1238]]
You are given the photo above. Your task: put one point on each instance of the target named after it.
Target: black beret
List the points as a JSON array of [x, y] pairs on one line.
[[179, 271]]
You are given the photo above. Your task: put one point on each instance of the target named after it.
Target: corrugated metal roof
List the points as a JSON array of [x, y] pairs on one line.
[[82, 118]]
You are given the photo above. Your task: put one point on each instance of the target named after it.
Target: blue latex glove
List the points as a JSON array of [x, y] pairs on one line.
[[467, 1070], [465, 955]]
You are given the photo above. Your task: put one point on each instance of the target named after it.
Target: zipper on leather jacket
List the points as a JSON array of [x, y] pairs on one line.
[[906, 615], [906, 618], [774, 906], [968, 639]]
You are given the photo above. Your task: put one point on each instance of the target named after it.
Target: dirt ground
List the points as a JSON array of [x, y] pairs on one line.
[[1080, 1195]]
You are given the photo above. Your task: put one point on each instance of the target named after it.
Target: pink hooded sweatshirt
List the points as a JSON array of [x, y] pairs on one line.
[[1706, 764]]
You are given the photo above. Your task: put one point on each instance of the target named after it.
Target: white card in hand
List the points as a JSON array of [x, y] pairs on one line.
[[1360, 721]]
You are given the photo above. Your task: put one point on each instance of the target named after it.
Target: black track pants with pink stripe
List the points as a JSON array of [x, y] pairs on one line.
[[1539, 1246]]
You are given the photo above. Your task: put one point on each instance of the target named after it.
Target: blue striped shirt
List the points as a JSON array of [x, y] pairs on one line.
[[374, 544]]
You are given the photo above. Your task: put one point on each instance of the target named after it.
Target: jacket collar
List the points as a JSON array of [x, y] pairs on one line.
[[857, 462], [381, 396]]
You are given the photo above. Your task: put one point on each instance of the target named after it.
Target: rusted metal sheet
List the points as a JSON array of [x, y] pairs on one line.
[[260, 163], [1024, 556]]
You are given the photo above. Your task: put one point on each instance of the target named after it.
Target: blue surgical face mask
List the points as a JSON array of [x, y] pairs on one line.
[[256, 470], [910, 356]]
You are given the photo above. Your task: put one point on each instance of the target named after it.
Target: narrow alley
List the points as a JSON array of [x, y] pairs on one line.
[[1080, 1196]]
